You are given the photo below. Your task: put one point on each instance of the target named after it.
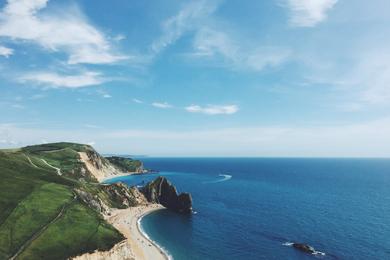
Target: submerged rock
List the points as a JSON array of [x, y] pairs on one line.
[[163, 192], [304, 248]]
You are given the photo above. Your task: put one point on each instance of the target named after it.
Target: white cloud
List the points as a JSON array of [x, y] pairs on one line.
[[218, 45], [364, 83], [308, 13], [187, 19], [67, 31], [103, 93], [119, 37], [213, 109], [55, 80], [91, 126], [6, 52], [162, 105], [135, 100]]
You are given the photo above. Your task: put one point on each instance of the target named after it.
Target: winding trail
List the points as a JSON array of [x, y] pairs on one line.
[[29, 159], [39, 232], [51, 166]]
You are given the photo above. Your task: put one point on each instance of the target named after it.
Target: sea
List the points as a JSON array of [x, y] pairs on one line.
[[255, 208]]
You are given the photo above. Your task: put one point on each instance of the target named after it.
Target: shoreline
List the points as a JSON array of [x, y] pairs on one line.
[[137, 244], [139, 227], [116, 176], [127, 221], [123, 175]]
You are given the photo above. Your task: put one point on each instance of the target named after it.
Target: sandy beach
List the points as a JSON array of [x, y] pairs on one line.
[[136, 246], [126, 221]]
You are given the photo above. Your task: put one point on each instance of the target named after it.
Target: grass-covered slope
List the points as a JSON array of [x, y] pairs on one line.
[[126, 164], [41, 216]]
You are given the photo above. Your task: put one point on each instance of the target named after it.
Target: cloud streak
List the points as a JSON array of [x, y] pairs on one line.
[[163, 105], [308, 13], [55, 80], [187, 19], [213, 109], [218, 45]]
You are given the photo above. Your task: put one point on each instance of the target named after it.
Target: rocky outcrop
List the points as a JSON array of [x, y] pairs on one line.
[[163, 192], [123, 196], [121, 251], [304, 248], [93, 201]]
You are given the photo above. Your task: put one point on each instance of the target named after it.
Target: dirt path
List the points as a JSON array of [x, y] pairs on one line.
[[29, 159], [51, 166]]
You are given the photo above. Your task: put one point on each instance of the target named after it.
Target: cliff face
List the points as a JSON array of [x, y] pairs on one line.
[[97, 165], [124, 196], [163, 192]]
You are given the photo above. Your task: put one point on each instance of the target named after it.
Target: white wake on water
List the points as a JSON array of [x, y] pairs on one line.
[[226, 177]]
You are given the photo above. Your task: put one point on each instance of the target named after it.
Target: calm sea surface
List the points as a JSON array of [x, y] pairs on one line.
[[250, 208]]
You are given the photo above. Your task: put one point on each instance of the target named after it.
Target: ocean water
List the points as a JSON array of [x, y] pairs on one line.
[[252, 208]]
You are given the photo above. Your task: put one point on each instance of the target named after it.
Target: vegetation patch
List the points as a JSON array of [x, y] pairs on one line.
[[125, 164]]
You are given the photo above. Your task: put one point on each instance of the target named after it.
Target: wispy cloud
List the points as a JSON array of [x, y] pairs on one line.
[[213, 109], [188, 18], [17, 106], [55, 80], [67, 31], [308, 13], [138, 101], [5, 51], [91, 126], [103, 93], [219, 45], [363, 84], [163, 105]]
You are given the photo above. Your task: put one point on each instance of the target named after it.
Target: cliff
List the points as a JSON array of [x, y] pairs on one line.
[[126, 164], [161, 191]]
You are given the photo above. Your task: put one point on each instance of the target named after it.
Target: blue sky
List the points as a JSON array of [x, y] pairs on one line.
[[198, 78]]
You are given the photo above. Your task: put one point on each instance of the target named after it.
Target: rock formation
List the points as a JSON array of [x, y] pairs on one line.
[[124, 196], [304, 248], [163, 192]]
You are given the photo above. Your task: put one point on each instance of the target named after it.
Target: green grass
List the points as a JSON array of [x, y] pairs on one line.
[[80, 230], [125, 164], [56, 146], [31, 214], [32, 197]]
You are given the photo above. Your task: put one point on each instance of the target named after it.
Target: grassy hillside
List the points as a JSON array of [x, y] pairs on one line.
[[40, 215], [125, 164]]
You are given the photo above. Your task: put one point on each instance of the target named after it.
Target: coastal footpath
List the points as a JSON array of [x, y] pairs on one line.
[[55, 205]]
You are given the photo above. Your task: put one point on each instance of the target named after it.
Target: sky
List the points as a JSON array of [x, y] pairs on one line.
[[276, 78]]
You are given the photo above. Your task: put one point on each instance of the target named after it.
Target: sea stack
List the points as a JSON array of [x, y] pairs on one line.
[[163, 192]]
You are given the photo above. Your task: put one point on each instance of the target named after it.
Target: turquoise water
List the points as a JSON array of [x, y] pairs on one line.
[[249, 208]]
